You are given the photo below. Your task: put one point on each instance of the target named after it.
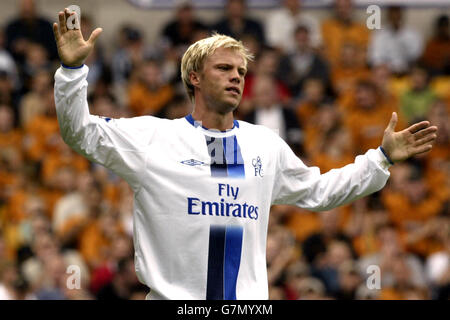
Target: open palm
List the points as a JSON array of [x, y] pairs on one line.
[[407, 143], [72, 48]]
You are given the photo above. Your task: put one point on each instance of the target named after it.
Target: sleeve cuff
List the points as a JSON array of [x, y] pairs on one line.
[[386, 156], [67, 67], [382, 159]]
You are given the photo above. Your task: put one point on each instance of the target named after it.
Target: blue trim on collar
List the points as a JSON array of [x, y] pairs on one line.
[[192, 121]]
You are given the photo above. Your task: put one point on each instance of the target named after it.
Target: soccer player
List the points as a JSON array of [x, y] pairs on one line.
[[203, 185]]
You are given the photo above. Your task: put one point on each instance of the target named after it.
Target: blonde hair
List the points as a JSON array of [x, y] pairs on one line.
[[196, 54]]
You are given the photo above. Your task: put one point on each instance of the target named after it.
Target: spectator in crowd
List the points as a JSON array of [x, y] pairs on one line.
[[415, 202], [349, 70], [121, 248], [439, 114], [178, 107], [73, 209], [327, 270], [124, 283], [368, 215], [8, 95], [404, 286], [430, 236], [281, 26], [312, 98], [236, 23], [98, 235], [9, 135], [129, 54], [315, 246], [381, 76], [179, 31], [336, 152], [438, 270], [396, 44], [7, 62], [302, 63], [36, 59], [149, 93], [268, 112], [45, 270], [342, 30], [311, 288], [32, 103], [436, 56], [266, 65], [8, 280], [280, 252], [365, 116], [11, 158], [417, 100], [391, 257], [29, 27], [42, 131]]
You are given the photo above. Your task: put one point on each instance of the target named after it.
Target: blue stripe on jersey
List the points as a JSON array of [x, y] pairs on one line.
[[214, 285], [226, 157], [217, 154], [224, 260], [233, 248], [233, 156]]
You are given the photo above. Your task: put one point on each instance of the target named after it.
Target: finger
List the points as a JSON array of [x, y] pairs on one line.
[[393, 122], [425, 140], [67, 13], [56, 31], [422, 149], [94, 35], [422, 133], [62, 23], [418, 126]]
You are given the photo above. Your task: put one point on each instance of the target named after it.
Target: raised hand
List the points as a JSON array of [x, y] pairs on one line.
[[72, 48], [407, 143]]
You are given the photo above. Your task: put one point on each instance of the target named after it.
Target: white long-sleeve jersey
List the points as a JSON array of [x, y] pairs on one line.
[[202, 198]]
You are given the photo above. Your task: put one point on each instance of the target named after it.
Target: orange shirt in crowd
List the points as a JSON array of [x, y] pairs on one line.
[[436, 52], [94, 245], [54, 161], [336, 34], [41, 138], [143, 101], [12, 138], [344, 79], [367, 125], [305, 111], [402, 210]]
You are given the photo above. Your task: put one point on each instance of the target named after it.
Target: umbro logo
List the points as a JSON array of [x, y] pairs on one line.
[[193, 162]]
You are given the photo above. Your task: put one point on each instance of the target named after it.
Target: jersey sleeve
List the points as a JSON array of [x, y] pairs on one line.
[[118, 144], [305, 187]]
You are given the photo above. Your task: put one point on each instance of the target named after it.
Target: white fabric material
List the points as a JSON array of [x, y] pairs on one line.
[[280, 27], [436, 266], [171, 245], [271, 118], [397, 49]]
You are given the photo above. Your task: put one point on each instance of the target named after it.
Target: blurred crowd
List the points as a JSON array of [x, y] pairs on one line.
[[327, 86]]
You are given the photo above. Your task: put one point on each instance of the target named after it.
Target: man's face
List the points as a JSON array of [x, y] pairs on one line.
[[221, 82]]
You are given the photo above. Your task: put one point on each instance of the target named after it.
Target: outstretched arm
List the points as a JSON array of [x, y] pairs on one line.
[[306, 187], [118, 144]]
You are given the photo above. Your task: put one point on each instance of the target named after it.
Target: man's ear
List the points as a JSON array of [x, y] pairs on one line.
[[194, 77]]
